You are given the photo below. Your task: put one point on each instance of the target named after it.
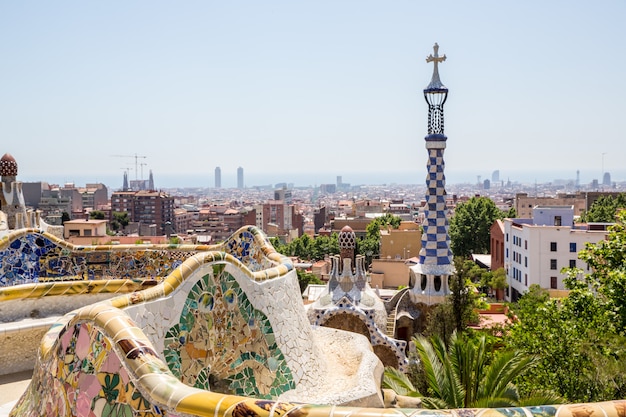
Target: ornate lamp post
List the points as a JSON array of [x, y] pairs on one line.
[[430, 275]]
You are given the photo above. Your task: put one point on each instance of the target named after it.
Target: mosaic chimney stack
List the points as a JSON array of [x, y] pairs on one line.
[[12, 198], [344, 282], [349, 303], [430, 275]]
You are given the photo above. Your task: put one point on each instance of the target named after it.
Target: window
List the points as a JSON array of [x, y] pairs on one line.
[[507, 237], [525, 244], [553, 283], [437, 282], [552, 246], [557, 220], [526, 261], [552, 263], [526, 279], [572, 263], [572, 247]]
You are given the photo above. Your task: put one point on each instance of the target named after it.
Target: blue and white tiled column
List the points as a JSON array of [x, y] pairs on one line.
[[430, 276]]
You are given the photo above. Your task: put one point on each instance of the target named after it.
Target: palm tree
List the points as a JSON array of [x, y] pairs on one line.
[[460, 376]]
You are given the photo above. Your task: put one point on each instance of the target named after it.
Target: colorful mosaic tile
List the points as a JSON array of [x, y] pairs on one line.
[[221, 337], [37, 257], [85, 377]]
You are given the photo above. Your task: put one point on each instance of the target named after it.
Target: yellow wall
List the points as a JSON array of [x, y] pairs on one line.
[[392, 272], [400, 244]]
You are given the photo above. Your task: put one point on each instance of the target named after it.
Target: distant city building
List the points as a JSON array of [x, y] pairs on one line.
[[240, 178], [218, 177], [217, 223], [402, 243], [125, 186], [328, 188], [147, 208], [486, 184], [319, 218], [535, 250], [495, 176], [85, 232], [284, 195], [151, 182], [606, 178], [339, 182], [581, 201], [138, 184], [279, 219]]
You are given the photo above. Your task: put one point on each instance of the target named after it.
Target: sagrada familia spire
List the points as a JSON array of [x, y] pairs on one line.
[[430, 275]]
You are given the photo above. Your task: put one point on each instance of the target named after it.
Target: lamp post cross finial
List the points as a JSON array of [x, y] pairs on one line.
[[435, 81]]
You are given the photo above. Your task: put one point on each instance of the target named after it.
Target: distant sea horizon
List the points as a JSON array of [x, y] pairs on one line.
[[254, 179]]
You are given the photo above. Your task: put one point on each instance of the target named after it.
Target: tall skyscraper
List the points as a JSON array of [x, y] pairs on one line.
[[218, 177], [430, 275], [151, 182], [240, 177]]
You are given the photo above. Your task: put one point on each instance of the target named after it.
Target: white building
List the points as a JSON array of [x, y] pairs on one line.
[[535, 250]]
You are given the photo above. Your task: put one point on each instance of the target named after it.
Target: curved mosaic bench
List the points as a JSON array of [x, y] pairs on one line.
[[213, 323], [102, 360]]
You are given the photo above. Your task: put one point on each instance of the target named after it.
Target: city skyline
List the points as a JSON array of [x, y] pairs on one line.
[[319, 89], [228, 180]]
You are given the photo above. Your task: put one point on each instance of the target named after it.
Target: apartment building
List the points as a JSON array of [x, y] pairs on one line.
[[280, 218], [146, 208], [581, 201], [536, 250]]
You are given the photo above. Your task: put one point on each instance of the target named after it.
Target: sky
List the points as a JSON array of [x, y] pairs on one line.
[[294, 89]]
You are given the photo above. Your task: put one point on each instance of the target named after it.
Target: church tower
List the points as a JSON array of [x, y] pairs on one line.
[[429, 277]]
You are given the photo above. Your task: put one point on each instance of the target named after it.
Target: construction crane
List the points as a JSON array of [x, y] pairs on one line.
[[143, 164], [136, 161]]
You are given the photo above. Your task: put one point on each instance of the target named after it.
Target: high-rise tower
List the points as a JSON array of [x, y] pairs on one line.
[[240, 177], [430, 276], [218, 177]]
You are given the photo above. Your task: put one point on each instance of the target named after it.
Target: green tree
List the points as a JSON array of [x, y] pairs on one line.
[[370, 245], [325, 245], [386, 220], [470, 226], [580, 353], [306, 248], [580, 339], [495, 281], [96, 215], [607, 260], [459, 308], [306, 278], [120, 220], [463, 374], [603, 210]]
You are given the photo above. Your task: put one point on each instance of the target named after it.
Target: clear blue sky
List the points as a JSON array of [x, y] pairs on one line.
[[330, 86]]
